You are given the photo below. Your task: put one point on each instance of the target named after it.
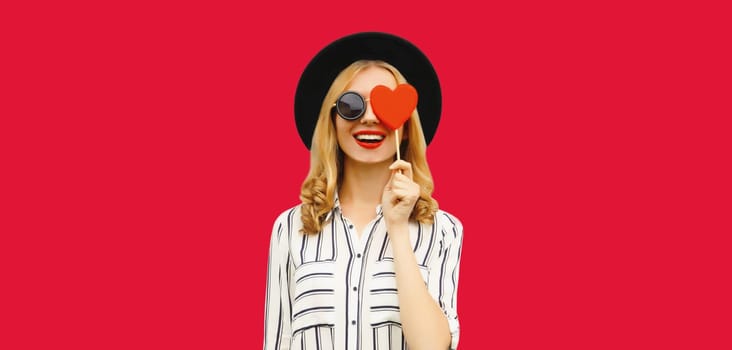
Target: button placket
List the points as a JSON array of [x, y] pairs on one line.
[[355, 276]]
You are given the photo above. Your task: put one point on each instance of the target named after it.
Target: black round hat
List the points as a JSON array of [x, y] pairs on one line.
[[331, 60]]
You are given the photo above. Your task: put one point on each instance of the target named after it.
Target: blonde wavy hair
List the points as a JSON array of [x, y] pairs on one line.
[[326, 159]]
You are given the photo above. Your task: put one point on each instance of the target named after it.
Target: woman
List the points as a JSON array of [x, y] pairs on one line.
[[366, 261]]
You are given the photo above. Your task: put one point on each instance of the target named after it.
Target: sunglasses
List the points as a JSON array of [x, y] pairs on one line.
[[350, 105]]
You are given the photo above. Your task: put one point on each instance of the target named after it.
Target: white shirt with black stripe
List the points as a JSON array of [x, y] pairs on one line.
[[334, 290]]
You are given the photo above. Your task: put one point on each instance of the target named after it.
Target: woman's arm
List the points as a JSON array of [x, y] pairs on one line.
[[427, 311], [423, 322]]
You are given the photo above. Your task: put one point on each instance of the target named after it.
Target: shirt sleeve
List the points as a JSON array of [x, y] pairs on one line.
[[277, 324], [445, 270]]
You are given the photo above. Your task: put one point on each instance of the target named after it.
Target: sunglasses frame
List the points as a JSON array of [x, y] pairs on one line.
[[363, 101]]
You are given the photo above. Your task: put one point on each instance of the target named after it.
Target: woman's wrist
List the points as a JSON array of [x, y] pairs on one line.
[[398, 225], [398, 232]]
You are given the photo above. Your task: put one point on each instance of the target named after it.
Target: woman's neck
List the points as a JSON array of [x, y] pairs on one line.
[[363, 183]]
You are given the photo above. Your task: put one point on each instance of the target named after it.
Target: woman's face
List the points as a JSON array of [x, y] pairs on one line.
[[366, 140]]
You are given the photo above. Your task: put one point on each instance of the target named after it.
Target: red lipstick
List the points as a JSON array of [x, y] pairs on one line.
[[369, 139]]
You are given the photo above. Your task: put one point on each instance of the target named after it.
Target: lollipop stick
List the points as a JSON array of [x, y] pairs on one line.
[[396, 139]]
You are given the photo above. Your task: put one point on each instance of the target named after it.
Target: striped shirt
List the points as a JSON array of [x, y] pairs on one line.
[[334, 290]]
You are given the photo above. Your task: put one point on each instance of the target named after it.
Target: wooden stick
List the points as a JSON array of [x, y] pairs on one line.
[[396, 139]]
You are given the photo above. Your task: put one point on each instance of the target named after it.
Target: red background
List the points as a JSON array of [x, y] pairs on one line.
[[148, 147]]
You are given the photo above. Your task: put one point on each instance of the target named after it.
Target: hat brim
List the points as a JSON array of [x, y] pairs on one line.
[[331, 60]]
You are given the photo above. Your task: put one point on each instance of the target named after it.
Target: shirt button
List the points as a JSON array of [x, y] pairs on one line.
[[358, 255], [350, 226], [353, 322], [355, 289]]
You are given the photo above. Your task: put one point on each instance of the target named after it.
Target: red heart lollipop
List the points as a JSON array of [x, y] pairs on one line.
[[393, 108]]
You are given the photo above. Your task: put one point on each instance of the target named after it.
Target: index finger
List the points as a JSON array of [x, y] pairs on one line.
[[405, 167]]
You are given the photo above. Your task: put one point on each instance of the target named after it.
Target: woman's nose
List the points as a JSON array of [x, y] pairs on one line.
[[368, 116]]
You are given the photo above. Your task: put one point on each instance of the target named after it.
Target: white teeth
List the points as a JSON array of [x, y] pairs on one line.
[[369, 137]]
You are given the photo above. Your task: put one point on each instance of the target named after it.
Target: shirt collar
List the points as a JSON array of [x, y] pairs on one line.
[[337, 208]]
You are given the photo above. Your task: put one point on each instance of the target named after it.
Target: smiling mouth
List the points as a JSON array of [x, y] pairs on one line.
[[369, 139]]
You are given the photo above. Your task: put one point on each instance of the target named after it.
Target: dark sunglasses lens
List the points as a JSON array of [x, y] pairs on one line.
[[350, 106]]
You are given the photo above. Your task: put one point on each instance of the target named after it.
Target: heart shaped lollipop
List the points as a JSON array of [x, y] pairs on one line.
[[393, 108]]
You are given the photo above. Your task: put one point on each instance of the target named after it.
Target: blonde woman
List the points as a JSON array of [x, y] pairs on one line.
[[367, 260]]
